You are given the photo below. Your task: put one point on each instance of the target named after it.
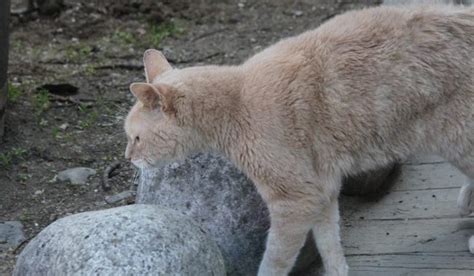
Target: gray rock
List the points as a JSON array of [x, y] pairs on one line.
[[131, 240], [119, 197], [213, 192], [20, 6], [46, 7], [226, 203], [77, 176], [11, 235]]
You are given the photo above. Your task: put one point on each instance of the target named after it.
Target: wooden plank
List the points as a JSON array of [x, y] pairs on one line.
[[404, 205], [400, 236], [400, 271], [428, 177], [438, 263], [413, 230]]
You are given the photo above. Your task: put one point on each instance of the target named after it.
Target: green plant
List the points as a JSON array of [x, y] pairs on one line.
[[14, 92], [18, 152], [75, 53], [157, 33], [90, 119], [56, 132], [41, 101], [17, 44], [24, 176], [123, 37], [89, 69], [7, 158]]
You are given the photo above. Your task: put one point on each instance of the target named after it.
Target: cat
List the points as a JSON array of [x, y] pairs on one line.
[[364, 89]]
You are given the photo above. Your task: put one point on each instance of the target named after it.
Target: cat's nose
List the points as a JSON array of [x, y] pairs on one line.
[[128, 156]]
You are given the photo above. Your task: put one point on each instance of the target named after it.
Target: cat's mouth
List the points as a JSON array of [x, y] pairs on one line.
[[140, 163], [143, 164]]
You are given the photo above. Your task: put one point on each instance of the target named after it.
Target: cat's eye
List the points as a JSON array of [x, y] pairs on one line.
[[137, 139]]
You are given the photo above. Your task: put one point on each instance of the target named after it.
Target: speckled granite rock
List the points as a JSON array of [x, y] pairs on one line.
[[220, 198], [131, 240]]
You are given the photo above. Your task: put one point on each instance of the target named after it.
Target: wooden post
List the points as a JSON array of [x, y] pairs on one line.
[[4, 16]]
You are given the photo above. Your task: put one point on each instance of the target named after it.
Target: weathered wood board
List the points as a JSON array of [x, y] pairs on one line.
[[413, 230]]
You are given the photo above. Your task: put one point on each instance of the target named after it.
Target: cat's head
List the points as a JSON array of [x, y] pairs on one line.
[[156, 126]]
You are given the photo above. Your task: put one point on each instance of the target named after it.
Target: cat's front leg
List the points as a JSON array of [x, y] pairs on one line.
[[290, 225]]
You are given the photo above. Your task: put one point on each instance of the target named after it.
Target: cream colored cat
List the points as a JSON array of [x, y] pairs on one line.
[[364, 89]]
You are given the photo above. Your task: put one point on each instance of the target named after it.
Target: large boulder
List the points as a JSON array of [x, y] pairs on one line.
[[225, 202], [131, 240], [220, 198]]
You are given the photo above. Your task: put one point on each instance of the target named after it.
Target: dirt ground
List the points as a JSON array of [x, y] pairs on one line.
[[97, 48]]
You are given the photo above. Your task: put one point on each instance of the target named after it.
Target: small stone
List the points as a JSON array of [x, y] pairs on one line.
[[43, 122], [64, 126], [11, 234], [20, 6], [119, 197], [298, 13], [77, 176]]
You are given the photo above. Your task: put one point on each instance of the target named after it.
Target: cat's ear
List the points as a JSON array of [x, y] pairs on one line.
[[146, 93], [155, 64], [152, 96], [167, 99]]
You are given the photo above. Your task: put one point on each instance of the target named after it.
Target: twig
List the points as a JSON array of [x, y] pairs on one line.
[[15, 251], [109, 173], [69, 99]]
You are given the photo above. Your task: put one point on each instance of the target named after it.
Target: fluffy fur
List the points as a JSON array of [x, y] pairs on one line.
[[364, 89]]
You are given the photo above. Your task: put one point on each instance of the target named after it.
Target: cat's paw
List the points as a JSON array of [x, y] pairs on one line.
[[471, 244], [466, 199]]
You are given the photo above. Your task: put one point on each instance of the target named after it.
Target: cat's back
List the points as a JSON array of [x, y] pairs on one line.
[[381, 66], [384, 28], [360, 51]]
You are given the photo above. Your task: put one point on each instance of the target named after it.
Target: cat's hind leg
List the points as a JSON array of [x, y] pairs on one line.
[[328, 241], [464, 161], [465, 201], [291, 220]]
